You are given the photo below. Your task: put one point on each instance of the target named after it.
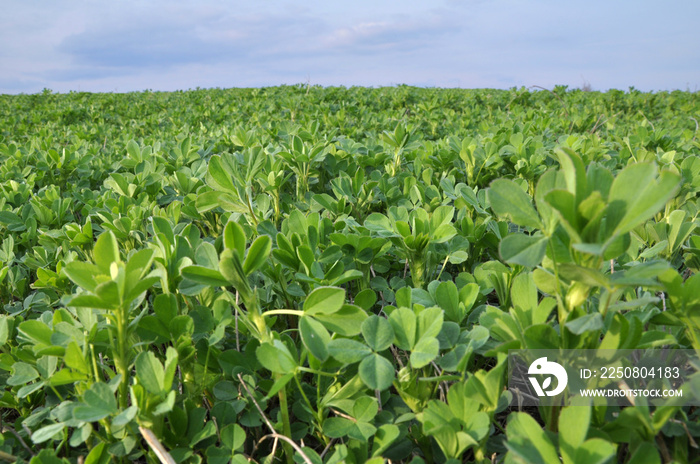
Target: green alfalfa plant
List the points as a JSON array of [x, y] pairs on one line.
[[233, 181], [413, 234], [324, 309], [237, 262], [118, 288], [583, 219], [528, 442], [396, 141], [304, 160]]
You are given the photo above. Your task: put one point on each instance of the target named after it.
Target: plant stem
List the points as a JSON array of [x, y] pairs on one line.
[[275, 312], [286, 424], [258, 321], [443, 267], [121, 356]]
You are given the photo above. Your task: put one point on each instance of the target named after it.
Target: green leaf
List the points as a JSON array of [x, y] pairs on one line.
[[585, 275], [208, 430], [205, 276], [526, 250], [216, 455], [22, 373], [82, 274], [458, 257], [348, 351], [276, 357], [563, 202], [337, 427], [65, 377], [8, 217], [646, 453], [385, 436], [429, 322], [46, 433], [587, 323], [447, 297], [365, 408], [528, 442], [541, 337], [595, 451], [257, 254], [219, 176], [234, 238], [573, 428], [125, 416], [232, 269], [379, 223], [98, 403], [276, 387], [377, 332], [98, 455], [508, 200], [206, 201], [4, 328], [106, 251], [36, 331], [324, 300], [441, 216], [574, 172], [347, 322], [233, 437], [642, 193], [315, 337], [443, 233], [141, 286], [403, 321], [366, 299], [424, 352], [376, 372], [149, 372]]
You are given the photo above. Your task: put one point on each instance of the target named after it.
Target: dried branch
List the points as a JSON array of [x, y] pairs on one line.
[[156, 446], [296, 447], [257, 406], [19, 438]]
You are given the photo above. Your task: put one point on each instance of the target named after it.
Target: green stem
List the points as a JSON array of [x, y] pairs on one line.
[[417, 267], [443, 267], [314, 371], [121, 362], [560, 304], [303, 395], [250, 209], [692, 335], [258, 320], [286, 424], [94, 363], [275, 312], [553, 423]]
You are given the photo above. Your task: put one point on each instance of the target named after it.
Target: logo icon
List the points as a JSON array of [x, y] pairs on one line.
[[551, 369]]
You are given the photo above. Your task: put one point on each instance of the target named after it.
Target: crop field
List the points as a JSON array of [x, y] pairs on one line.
[[336, 275]]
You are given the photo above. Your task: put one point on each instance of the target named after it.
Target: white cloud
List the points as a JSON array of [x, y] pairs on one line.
[[501, 43]]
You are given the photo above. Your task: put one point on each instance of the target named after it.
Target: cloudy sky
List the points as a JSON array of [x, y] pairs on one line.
[[125, 45]]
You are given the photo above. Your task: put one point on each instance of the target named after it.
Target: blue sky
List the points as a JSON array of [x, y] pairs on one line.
[[107, 46]]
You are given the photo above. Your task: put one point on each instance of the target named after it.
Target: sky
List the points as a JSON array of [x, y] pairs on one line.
[[124, 45]]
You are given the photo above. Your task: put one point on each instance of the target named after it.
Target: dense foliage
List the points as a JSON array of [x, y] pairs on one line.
[[335, 275]]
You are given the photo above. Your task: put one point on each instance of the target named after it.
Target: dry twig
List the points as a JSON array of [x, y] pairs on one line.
[[156, 446], [274, 433]]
